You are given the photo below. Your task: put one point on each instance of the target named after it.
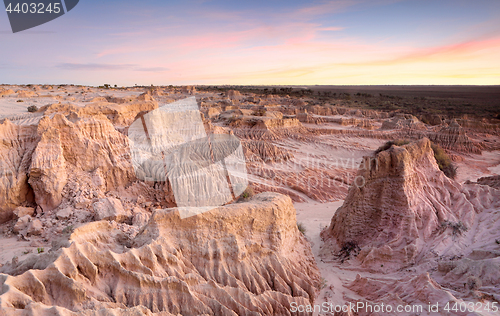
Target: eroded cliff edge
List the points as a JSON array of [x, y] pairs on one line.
[[241, 259], [414, 235]]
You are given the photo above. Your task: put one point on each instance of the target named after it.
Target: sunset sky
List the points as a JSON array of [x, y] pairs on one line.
[[339, 42]]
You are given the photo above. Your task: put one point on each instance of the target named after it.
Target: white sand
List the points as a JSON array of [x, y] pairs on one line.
[[476, 166], [12, 247]]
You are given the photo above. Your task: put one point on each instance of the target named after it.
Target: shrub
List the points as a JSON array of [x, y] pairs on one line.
[[301, 228], [474, 283], [384, 147], [248, 193], [259, 112], [348, 249], [40, 249], [235, 121], [32, 108], [444, 161], [401, 142], [324, 283], [457, 228], [68, 229], [19, 101], [387, 145]]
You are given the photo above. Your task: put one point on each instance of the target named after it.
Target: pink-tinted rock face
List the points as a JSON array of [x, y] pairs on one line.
[[402, 202], [493, 181], [454, 137]]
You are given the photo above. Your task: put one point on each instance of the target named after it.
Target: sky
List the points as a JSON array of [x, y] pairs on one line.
[[271, 42]]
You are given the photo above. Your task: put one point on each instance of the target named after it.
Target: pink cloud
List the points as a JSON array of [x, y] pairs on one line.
[[331, 28], [297, 51]]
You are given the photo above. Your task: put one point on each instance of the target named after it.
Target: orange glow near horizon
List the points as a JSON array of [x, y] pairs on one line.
[[325, 42], [298, 61]]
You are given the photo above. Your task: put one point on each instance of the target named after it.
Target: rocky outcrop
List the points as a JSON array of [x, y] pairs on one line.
[[399, 201], [69, 151], [25, 93], [454, 137], [271, 129], [403, 121], [464, 266], [241, 259], [419, 290], [189, 90], [110, 209], [16, 149], [480, 125], [234, 95], [119, 114], [23, 211], [308, 118], [6, 92], [265, 151], [362, 123], [493, 181], [213, 112], [48, 174], [431, 119], [322, 110]]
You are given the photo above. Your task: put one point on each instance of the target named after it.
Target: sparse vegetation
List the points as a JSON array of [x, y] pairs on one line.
[[259, 112], [387, 145], [384, 147], [324, 283], [473, 101], [349, 249], [457, 228], [248, 193], [32, 108], [234, 120], [19, 101], [474, 283], [40, 249], [301, 228], [401, 142], [68, 229], [444, 161]]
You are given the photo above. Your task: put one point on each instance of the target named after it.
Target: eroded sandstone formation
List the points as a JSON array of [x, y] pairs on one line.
[[241, 259], [399, 202], [454, 137], [67, 168], [16, 149], [43, 158]]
